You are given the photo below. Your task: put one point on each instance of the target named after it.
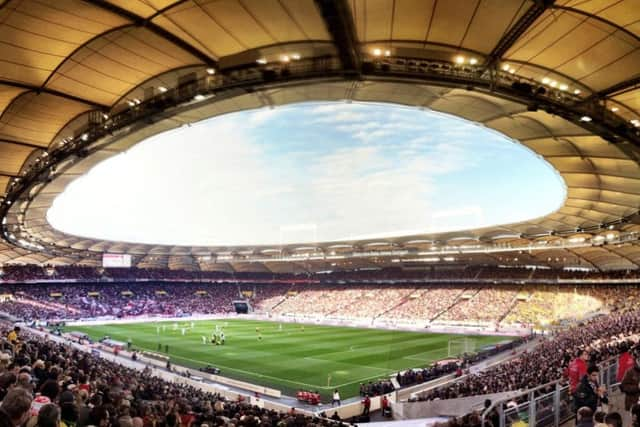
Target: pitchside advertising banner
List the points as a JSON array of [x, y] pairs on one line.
[[116, 260]]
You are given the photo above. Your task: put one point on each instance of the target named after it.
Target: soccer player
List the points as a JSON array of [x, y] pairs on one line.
[[280, 327], [157, 330], [204, 339], [222, 338], [192, 325], [183, 330], [175, 326]]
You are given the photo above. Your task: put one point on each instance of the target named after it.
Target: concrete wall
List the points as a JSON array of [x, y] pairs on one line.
[[445, 408], [355, 408]]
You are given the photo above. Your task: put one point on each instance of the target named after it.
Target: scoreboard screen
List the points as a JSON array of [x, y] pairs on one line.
[[116, 260]]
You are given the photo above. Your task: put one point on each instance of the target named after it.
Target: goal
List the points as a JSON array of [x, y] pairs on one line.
[[460, 346]]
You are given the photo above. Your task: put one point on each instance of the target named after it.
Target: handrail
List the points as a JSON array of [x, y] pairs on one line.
[[604, 366]]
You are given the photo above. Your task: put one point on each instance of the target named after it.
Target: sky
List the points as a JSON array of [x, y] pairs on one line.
[[310, 172]]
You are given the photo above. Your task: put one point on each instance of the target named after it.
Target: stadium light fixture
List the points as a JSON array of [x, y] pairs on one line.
[[261, 61], [614, 109], [473, 61], [512, 70], [295, 56], [136, 101], [545, 80], [576, 92], [586, 119], [387, 53], [553, 83], [376, 52], [131, 103], [199, 97], [85, 137], [285, 58], [506, 67], [563, 87], [211, 71], [162, 89], [459, 59]]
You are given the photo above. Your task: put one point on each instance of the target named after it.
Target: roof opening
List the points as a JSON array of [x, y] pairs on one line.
[[310, 172]]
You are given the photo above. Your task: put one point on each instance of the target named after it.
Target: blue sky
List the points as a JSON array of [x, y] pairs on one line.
[[309, 172]]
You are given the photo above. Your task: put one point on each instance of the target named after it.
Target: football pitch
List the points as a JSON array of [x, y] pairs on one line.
[[289, 356]]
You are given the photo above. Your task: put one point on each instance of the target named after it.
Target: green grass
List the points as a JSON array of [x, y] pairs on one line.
[[291, 358]]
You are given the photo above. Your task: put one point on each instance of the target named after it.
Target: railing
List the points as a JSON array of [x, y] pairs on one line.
[[546, 405]]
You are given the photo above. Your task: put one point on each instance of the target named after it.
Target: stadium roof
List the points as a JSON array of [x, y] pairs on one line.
[[83, 80]]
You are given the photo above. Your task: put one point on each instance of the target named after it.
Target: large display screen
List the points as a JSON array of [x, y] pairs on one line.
[[116, 260]]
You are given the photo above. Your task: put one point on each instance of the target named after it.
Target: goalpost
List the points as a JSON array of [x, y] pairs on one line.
[[459, 346]]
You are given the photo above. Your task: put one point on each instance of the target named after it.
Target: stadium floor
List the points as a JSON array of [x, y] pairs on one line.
[[289, 356]]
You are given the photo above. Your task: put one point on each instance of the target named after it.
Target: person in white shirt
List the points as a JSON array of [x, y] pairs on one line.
[[336, 398]]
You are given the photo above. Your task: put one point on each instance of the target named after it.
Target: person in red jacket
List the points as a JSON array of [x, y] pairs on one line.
[[625, 362], [577, 369], [366, 405], [384, 405]]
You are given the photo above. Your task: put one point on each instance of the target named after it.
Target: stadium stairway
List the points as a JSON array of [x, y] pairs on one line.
[[393, 307], [455, 301], [510, 307], [284, 298]]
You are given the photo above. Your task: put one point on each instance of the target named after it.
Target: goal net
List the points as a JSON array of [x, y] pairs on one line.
[[458, 347]]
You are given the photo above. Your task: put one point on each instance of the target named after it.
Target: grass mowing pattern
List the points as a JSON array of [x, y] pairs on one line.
[[292, 358]]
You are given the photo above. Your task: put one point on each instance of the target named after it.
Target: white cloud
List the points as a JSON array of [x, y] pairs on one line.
[[340, 117], [217, 183], [262, 115]]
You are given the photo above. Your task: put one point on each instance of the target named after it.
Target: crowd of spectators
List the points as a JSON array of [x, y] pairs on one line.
[[547, 304], [497, 305], [484, 304], [377, 388], [74, 301], [21, 273], [418, 376], [425, 303], [602, 337], [314, 300], [85, 390]]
